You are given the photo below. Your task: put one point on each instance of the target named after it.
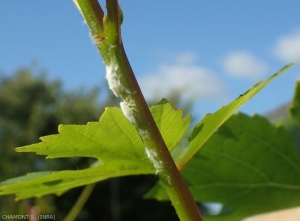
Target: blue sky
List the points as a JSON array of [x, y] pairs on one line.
[[216, 49]]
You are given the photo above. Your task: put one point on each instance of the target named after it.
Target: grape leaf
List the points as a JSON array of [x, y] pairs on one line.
[[171, 125], [113, 141], [209, 124], [249, 165]]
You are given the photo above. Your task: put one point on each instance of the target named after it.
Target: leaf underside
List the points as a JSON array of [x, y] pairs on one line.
[[248, 165], [113, 141]]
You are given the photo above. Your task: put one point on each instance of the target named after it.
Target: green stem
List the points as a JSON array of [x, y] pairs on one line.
[[123, 83], [85, 194]]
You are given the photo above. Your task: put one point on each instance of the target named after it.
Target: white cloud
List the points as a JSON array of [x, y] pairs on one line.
[[287, 47], [183, 74], [185, 58], [244, 65]]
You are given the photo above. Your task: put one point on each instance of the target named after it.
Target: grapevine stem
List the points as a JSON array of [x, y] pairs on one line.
[[106, 32]]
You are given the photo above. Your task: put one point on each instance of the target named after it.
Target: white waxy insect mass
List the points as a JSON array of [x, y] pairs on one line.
[[127, 107], [113, 78], [127, 111], [116, 86], [152, 155]]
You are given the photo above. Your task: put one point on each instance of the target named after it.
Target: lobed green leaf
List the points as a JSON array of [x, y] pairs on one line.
[[249, 165], [211, 122], [113, 141]]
